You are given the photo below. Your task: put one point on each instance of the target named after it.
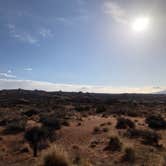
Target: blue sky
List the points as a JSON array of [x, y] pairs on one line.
[[82, 44]]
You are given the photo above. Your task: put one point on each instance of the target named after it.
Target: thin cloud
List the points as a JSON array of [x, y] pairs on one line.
[[21, 36], [28, 69], [6, 75], [46, 33], [9, 71], [118, 14]]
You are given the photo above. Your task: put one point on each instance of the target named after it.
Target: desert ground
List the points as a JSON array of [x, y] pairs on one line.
[[92, 129]]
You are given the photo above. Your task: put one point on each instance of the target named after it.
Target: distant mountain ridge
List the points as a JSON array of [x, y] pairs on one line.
[[162, 92]]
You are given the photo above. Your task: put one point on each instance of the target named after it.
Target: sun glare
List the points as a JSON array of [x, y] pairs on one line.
[[140, 24]]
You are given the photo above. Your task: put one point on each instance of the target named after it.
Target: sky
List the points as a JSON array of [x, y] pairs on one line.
[[82, 45]]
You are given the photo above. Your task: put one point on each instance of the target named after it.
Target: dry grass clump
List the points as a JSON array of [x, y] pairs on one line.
[[78, 161], [129, 155], [56, 156], [114, 144]]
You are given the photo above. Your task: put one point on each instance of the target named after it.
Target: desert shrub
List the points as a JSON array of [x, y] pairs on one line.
[[111, 101], [100, 109], [105, 129], [35, 136], [127, 112], [30, 112], [94, 143], [79, 124], [109, 123], [135, 133], [129, 155], [79, 161], [102, 124], [51, 122], [148, 137], [96, 130], [156, 122], [15, 127], [79, 108], [56, 156], [49, 133], [114, 144], [3, 122], [104, 115], [123, 123], [151, 138], [65, 123]]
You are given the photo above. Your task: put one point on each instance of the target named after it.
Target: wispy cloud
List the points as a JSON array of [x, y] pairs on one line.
[[21, 36], [118, 13], [6, 75], [46, 33], [47, 86], [28, 69], [9, 71], [64, 20]]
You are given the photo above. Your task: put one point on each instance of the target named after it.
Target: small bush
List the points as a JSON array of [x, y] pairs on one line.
[[100, 109], [51, 122], [102, 124], [49, 133], [114, 144], [56, 156], [134, 133], [65, 123], [109, 123], [79, 161], [79, 124], [105, 129], [123, 123], [156, 122], [15, 127], [30, 112], [148, 137], [96, 130], [129, 155], [127, 112], [79, 108], [94, 144], [151, 138]]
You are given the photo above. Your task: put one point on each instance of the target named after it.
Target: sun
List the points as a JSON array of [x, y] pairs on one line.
[[140, 24]]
